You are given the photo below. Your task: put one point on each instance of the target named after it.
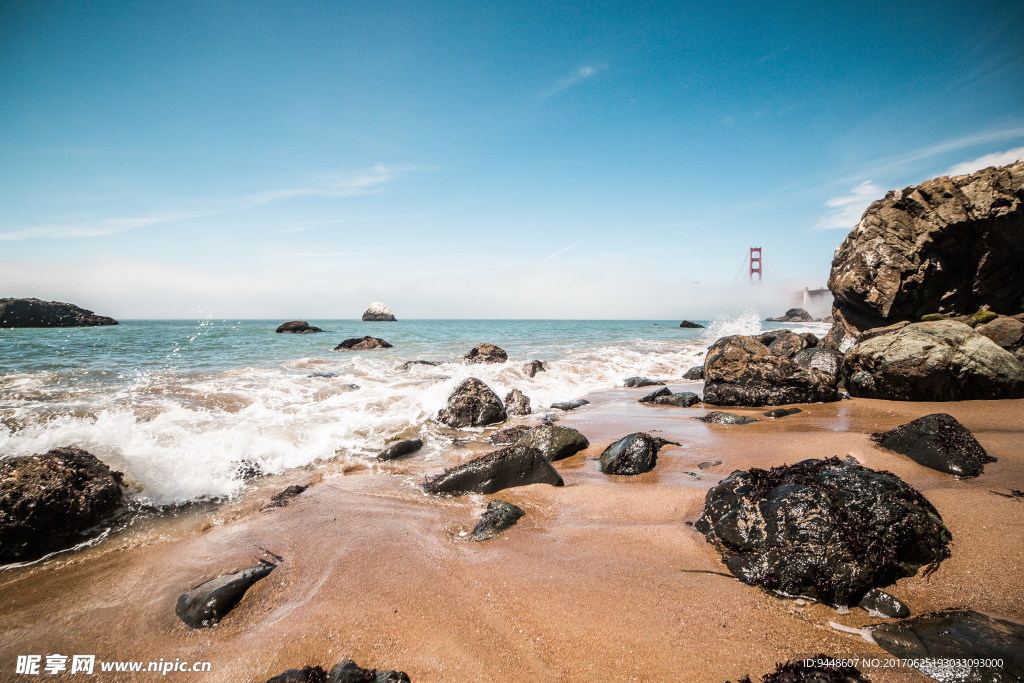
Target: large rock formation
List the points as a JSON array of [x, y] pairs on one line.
[[472, 404], [36, 313], [943, 360], [378, 312], [51, 501], [948, 245], [763, 371]]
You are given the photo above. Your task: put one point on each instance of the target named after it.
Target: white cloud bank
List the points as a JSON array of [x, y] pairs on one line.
[[846, 210], [993, 159]]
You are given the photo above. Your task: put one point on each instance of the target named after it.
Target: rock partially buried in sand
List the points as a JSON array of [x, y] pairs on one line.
[[553, 441], [498, 517], [472, 404], [207, 603], [633, 454], [826, 530], [486, 353], [882, 604], [817, 669], [937, 441], [953, 645], [517, 403], [534, 366], [396, 449], [719, 417], [283, 498], [345, 672], [570, 405], [36, 313], [512, 466], [378, 312], [53, 501], [362, 344], [297, 327], [634, 382]]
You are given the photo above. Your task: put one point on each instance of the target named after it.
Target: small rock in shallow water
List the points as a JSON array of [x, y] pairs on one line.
[[207, 603], [507, 437], [533, 367], [553, 441], [649, 398], [326, 375], [884, 604], [709, 463], [362, 344], [396, 449], [498, 517], [683, 399], [937, 441], [472, 404], [508, 467], [409, 363], [298, 327], [486, 353], [634, 382], [281, 499], [517, 403], [781, 412], [633, 454], [570, 405], [718, 417]]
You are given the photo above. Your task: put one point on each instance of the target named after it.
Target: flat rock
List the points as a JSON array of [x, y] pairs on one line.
[[37, 313], [826, 530], [486, 353], [498, 517], [633, 454], [362, 344], [781, 412], [533, 367], [634, 382], [397, 449], [722, 418], [511, 466], [517, 403], [570, 405], [472, 404], [553, 441], [207, 603], [378, 312], [937, 441], [961, 635], [297, 327]]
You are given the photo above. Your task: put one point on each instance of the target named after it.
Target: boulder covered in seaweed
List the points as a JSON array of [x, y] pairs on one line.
[[826, 530]]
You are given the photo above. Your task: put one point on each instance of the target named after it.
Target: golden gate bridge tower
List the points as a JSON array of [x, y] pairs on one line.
[[754, 264]]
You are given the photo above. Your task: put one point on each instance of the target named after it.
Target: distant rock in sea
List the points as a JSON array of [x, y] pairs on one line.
[[793, 315], [378, 312], [486, 353], [36, 313], [297, 327], [690, 325], [362, 344]]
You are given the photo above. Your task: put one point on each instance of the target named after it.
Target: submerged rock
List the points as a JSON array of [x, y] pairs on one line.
[[937, 441], [36, 313], [409, 363], [362, 344], [533, 367], [944, 360], [781, 412], [511, 466], [718, 417], [486, 353], [553, 441], [396, 449], [954, 645], [826, 530], [793, 315], [324, 375], [498, 517], [517, 403], [472, 404], [297, 327], [378, 312], [634, 382], [570, 405], [207, 603], [817, 669], [53, 501], [633, 454], [690, 325], [880, 602], [282, 498], [694, 373]]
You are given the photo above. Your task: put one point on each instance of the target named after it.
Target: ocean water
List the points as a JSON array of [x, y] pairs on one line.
[[177, 405]]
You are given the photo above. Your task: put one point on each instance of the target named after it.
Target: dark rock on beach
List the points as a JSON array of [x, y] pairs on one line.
[[517, 403], [686, 324], [53, 501], [486, 353], [511, 466], [634, 382], [762, 371], [826, 530], [884, 604], [665, 397], [944, 360], [36, 313], [781, 412], [533, 367], [649, 398], [817, 669], [570, 405], [947, 246], [362, 344], [378, 312], [207, 603], [937, 441], [962, 637], [694, 373], [498, 517], [344, 672], [633, 454], [297, 327], [719, 417], [793, 315], [553, 441], [396, 449], [707, 464], [472, 404], [507, 437], [307, 674], [282, 498]]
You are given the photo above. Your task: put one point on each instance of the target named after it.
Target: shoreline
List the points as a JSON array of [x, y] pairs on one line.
[[602, 580]]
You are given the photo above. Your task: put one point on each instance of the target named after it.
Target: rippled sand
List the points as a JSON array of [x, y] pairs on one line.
[[602, 580]]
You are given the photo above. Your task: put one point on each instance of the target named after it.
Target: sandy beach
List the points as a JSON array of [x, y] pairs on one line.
[[603, 579]]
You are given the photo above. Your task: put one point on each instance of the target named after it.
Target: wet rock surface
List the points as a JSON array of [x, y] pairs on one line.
[[665, 397], [781, 412], [472, 404], [633, 382], [498, 517], [707, 464], [962, 635], [517, 403], [207, 603], [694, 373], [817, 669], [410, 363], [511, 466], [937, 441], [880, 602], [761, 371], [283, 498], [633, 454], [53, 501], [553, 441], [362, 344], [343, 672], [397, 449], [944, 360], [378, 312], [486, 353], [827, 530], [533, 367], [722, 418], [37, 313], [570, 405], [297, 327], [507, 437]]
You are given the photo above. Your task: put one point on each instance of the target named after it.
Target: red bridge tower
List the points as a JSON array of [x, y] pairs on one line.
[[755, 263]]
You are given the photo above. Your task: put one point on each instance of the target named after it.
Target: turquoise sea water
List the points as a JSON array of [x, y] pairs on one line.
[[176, 405]]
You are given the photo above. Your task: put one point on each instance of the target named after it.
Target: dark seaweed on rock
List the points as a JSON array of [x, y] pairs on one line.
[[823, 529], [815, 669]]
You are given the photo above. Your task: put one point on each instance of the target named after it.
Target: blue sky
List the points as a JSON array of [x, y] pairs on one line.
[[467, 159]]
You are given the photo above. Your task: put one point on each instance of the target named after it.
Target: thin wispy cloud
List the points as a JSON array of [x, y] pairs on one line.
[[845, 211], [984, 161], [565, 249], [337, 184], [578, 76]]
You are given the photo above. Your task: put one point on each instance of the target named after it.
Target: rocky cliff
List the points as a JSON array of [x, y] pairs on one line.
[[36, 313]]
